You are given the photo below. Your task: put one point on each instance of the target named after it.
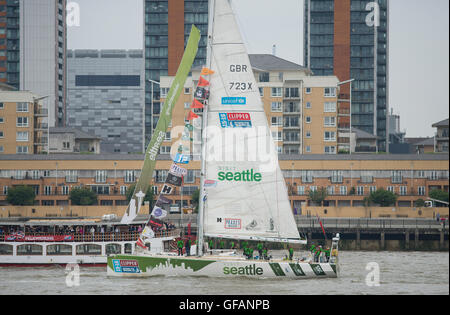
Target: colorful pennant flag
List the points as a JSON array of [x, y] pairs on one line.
[[202, 82], [196, 104], [192, 116], [206, 71]]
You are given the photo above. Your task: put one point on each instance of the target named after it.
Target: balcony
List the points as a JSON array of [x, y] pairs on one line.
[[41, 112]]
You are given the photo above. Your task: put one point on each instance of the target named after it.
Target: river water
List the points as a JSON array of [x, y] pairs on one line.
[[400, 273]]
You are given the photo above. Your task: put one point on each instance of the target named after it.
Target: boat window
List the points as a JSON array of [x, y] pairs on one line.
[[89, 249], [59, 249], [128, 248], [29, 249], [6, 249], [113, 249]]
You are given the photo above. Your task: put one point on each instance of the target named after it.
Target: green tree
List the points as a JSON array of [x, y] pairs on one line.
[[149, 196], [21, 196], [195, 199], [83, 197], [383, 197], [439, 195], [318, 195], [419, 202]]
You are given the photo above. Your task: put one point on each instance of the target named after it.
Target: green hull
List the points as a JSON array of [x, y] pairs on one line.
[[214, 266]]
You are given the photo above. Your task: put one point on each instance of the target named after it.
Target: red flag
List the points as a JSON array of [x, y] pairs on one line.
[[192, 116], [140, 244], [203, 82], [323, 230], [196, 104]]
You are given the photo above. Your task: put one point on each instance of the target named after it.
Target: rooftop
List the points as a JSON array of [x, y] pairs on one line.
[[443, 123], [78, 133]]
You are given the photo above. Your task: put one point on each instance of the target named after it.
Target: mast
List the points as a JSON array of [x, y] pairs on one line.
[[201, 206]]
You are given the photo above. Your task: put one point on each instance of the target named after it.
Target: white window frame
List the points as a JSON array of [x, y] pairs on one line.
[[22, 149], [329, 92], [22, 123], [329, 121], [308, 90], [276, 92], [22, 107], [331, 136], [276, 107], [100, 176], [329, 107], [22, 136]]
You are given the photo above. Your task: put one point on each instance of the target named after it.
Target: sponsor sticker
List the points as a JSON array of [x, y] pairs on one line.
[[234, 100], [126, 266], [233, 224], [235, 120]]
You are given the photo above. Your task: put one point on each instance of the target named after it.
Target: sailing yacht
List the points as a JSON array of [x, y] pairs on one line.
[[243, 194]]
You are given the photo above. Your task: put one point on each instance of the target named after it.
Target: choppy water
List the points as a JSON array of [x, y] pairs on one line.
[[402, 273]]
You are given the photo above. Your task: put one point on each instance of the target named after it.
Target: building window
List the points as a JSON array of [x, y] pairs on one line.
[[187, 105], [343, 190], [71, 176], [277, 135], [2, 106], [313, 188], [330, 150], [277, 92], [22, 136], [22, 121], [123, 190], [307, 176], [391, 189], [100, 176], [337, 177], [308, 119], [329, 121], [47, 190], [308, 134], [160, 176], [65, 190], [330, 107], [22, 150], [308, 90], [164, 92], [22, 107], [308, 149], [360, 190], [190, 177], [5, 190], [164, 150], [372, 189], [403, 190], [330, 136], [1, 134], [277, 121], [261, 92], [187, 91], [421, 190], [2, 149], [100, 189], [301, 190], [330, 190], [2, 120], [396, 177], [330, 92], [308, 105], [130, 177], [276, 107]]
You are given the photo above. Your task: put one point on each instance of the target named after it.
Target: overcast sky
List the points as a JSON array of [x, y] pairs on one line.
[[419, 45]]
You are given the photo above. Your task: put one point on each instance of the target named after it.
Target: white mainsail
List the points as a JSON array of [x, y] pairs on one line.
[[245, 194]]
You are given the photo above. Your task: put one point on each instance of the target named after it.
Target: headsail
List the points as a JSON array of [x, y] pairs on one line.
[[161, 128], [245, 193]]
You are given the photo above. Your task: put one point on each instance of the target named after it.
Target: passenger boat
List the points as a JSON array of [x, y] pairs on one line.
[[85, 249]]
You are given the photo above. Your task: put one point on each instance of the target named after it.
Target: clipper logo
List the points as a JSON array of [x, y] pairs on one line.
[[126, 266], [234, 224], [235, 120]]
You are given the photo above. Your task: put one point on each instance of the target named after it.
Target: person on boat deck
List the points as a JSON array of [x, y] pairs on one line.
[[260, 250], [211, 244], [222, 244], [264, 254], [327, 254], [187, 246], [232, 244], [291, 253], [180, 247], [317, 253]]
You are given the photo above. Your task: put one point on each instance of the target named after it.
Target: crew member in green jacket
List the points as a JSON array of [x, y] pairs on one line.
[[327, 254], [317, 253], [260, 249], [291, 253], [180, 245], [264, 253], [210, 243]]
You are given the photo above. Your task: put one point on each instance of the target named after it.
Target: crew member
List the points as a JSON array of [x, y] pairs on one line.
[[180, 247]]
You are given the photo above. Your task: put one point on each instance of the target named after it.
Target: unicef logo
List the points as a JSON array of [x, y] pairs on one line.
[[158, 212]]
